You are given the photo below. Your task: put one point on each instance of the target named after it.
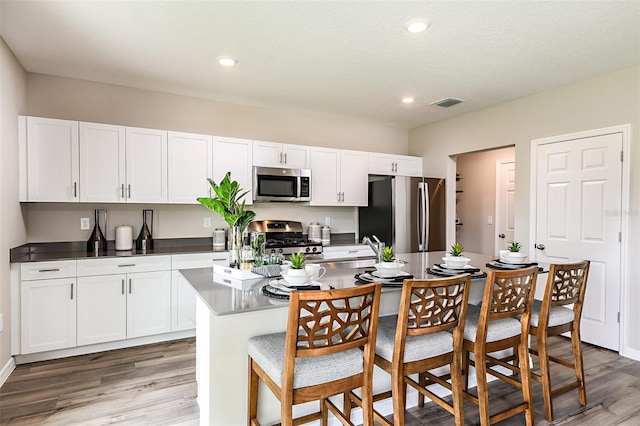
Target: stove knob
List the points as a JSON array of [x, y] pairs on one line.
[[314, 249], [280, 251], [273, 251]]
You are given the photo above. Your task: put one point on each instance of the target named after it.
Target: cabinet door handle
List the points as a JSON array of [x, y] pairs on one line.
[[123, 286], [49, 270], [130, 285], [75, 189], [71, 291], [129, 190], [392, 166], [122, 191], [280, 158], [285, 158], [126, 265]]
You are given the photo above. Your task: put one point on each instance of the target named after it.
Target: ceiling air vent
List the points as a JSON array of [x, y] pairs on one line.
[[446, 102]]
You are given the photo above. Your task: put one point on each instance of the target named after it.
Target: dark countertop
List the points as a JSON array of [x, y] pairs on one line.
[[42, 252]]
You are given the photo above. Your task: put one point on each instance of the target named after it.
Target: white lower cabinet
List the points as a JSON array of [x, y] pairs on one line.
[[116, 306], [48, 315]]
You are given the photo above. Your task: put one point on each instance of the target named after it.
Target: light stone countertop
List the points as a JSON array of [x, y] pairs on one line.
[[224, 299]]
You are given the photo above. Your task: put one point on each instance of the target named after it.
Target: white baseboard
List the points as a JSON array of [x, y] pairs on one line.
[[7, 370], [631, 353]]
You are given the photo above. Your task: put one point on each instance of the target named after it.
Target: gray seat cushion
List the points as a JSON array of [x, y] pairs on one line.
[[557, 314], [416, 347], [268, 352], [499, 329]]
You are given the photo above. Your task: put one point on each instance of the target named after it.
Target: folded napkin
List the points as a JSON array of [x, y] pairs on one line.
[[268, 271]]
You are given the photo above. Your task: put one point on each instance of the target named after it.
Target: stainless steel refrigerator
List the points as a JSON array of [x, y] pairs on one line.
[[406, 212]]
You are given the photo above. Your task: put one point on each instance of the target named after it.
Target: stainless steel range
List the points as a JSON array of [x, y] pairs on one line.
[[285, 236]]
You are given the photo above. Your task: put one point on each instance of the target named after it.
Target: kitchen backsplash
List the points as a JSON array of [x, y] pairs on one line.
[[54, 222]]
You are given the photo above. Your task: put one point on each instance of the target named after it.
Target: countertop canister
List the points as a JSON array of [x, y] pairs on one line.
[[124, 237], [313, 232], [326, 235], [219, 238]]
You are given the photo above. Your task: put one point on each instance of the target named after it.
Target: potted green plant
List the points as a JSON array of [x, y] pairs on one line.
[[389, 267], [512, 254], [227, 204], [296, 274], [455, 258]]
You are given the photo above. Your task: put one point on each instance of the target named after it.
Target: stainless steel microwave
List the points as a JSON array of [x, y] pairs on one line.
[[275, 184]]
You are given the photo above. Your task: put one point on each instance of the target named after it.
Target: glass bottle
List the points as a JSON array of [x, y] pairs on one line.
[[246, 254]]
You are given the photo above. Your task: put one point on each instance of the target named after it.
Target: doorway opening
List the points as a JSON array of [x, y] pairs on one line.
[[485, 191]]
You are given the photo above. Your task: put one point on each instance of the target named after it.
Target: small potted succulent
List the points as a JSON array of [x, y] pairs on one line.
[[389, 267], [455, 259], [296, 274], [512, 254]]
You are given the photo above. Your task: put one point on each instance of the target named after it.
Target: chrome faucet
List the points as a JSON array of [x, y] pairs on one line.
[[376, 247]]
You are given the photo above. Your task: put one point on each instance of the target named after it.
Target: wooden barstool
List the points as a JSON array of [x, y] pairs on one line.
[[566, 285], [319, 355], [418, 340], [500, 323]]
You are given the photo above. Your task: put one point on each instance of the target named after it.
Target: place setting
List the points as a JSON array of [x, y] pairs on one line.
[[511, 258], [388, 272], [293, 279], [455, 264]]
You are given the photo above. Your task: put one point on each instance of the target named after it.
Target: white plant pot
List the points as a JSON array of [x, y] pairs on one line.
[[389, 269], [456, 262], [296, 276], [515, 257]]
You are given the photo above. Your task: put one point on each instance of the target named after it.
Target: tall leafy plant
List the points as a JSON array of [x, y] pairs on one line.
[[227, 203]]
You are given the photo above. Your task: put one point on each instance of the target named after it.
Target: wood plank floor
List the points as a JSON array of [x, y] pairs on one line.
[[155, 385]]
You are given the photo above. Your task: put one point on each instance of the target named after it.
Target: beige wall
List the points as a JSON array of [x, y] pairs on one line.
[[608, 100], [13, 87], [64, 98], [478, 172]]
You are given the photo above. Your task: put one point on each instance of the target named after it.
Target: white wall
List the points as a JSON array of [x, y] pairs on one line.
[[604, 101], [71, 99], [13, 87]]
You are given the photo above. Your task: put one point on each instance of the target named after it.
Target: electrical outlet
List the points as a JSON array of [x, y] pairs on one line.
[[327, 220], [84, 223], [207, 222]]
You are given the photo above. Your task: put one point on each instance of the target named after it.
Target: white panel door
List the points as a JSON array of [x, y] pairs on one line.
[[234, 155], [324, 176], [406, 165], [189, 164], [102, 309], [578, 194], [146, 165], [295, 156], [52, 160], [382, 164], [505, 204], [102, 163], [148, 303], [267, 154], [47, 315]]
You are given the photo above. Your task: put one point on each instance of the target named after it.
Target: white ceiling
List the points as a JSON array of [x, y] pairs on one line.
[[343, 58]]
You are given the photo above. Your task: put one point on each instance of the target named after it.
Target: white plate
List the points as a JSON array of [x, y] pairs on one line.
[[514, 261], [284, 286], [379, 274], [444, 266]]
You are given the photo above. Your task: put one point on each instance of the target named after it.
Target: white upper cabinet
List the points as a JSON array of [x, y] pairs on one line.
[[102, 163], [338, 177], [146, 152], [51, 159], [190, 163], [395, 165], [234, 155], [272, 154]]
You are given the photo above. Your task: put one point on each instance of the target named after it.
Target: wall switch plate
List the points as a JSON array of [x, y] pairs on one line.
[[327, 220], [84, 223], [489, 220], [207, 222]]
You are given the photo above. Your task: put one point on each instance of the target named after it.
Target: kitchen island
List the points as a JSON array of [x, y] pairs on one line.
[[227, 317]]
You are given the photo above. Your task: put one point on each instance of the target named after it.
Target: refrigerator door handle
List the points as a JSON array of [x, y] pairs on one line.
[[422, 218]]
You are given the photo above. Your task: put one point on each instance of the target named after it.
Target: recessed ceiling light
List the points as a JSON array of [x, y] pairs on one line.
[[408, 100], [417, 25], [227, 61]]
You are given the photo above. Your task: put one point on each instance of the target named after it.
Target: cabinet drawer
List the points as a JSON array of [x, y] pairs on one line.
[[125, 265], [198, 260], [46, 270], [346, 252]]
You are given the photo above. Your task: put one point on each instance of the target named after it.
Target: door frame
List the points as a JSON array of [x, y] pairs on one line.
[[625, 130], [497, 216]]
